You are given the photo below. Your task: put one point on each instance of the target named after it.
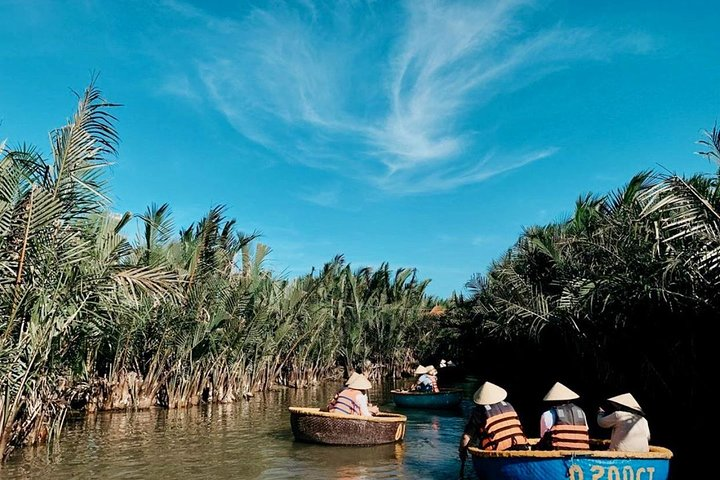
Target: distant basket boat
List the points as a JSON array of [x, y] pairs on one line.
[[572, 464], [446, 398], [312, 425]]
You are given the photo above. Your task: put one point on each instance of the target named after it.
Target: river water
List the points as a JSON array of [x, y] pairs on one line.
[[246, 440]]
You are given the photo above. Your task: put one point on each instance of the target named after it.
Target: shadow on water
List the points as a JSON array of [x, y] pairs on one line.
[[246, 440]]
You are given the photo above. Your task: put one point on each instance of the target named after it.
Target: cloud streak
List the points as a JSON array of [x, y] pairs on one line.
[[323, 198], [390, 96]]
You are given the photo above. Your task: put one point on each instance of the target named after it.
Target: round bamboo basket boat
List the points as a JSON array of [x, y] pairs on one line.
[[312, 425], [446, 398]]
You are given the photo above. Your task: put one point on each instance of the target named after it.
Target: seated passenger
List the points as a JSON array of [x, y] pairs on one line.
[[428, 379], [564, 425], [493, 424], [352, 377], [423, 384], [353, 399], [630, 430]]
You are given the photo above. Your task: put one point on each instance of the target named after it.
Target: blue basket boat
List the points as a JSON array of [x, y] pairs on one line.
[[594, 464], [446, 398]]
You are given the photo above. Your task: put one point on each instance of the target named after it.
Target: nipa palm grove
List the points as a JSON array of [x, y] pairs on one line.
[[103, 311]]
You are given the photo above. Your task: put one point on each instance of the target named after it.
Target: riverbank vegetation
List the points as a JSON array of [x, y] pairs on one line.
[[93, 317], [619, 297]]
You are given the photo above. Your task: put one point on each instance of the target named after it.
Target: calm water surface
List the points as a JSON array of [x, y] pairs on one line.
[[246, 440]]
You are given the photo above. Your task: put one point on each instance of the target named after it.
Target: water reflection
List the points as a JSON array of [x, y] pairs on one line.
[[245, 440]]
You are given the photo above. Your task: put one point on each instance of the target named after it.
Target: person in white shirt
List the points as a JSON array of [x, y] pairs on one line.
[[423, 383], [428, 379], [630, 429]]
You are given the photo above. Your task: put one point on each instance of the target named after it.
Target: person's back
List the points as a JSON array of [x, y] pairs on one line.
[[569, 430], [352, 400], [348, 401], [424, 383], [630, 429], [564, 425], [501, 429], [493, 422], [339, 391]]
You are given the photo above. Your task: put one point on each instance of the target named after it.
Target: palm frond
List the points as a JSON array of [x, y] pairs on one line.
[[80, 150]]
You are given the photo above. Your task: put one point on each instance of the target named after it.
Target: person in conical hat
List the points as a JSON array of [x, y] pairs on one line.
[[564, 425], [493, 423], [427, 382], [630, 429], [353, 400], [352, 377], [372, 408]]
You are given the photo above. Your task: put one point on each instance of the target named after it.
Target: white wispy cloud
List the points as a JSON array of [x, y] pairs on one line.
[[180, 86], [432, 179], [325, 198], [394, 99]]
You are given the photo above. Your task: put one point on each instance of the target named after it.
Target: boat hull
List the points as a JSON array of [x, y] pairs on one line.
[[572, 465], [312, 425], [446, 398]]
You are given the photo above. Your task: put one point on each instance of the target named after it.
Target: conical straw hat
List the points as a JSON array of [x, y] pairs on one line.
[[560, 392], [489, 393], [420, 370], [352, 377], [360, 382], [627, 400], [431, 370]]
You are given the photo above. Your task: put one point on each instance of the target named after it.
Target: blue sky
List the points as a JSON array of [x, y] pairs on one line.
[[426, 134]]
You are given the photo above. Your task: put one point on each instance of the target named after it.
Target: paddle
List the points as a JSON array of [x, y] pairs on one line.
[[463, 456]]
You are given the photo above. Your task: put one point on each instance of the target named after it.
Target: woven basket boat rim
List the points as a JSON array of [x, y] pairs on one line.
[[655, 452], [443, 391], [384, 417]]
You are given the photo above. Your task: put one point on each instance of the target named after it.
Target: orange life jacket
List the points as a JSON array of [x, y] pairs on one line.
[[327, 408], [347, 402], [570, 431], [502, 428]]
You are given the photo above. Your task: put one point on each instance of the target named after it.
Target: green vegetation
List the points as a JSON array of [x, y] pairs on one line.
[[619, 297], [94, 320]]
